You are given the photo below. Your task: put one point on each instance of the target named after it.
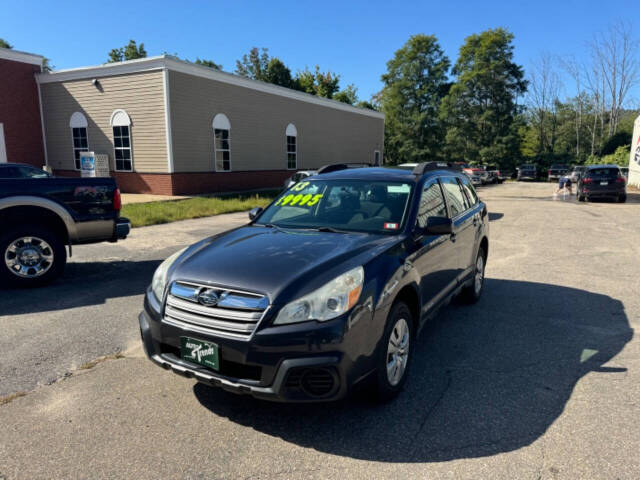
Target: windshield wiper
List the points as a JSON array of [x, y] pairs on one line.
[[329, 229]]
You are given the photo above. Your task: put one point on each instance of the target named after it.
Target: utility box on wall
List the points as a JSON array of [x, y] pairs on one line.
[[92, 165]]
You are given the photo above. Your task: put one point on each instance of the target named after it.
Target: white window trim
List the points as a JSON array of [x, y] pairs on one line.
[[78, 120], [120, 118], [73, 147], [291, 131], [221, 122], [130, 148]]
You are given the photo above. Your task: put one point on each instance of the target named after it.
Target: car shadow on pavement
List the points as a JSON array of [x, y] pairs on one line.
[[82, 284], [493, 216], [485, 379]]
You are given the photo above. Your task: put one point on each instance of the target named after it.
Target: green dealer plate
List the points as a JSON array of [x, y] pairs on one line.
[[197, 351]]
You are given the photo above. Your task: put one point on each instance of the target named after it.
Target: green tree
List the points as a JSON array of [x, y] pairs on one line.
[[620, 157], [5, 44], [278, 73], [208, 63], [368, 104], [414, 85], [131, 51], [348, 95], [481, 109], [254, 64], [323, 84]]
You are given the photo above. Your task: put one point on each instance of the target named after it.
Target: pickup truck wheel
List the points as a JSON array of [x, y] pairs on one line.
[[471, 293], [395, 352], [32, 255]]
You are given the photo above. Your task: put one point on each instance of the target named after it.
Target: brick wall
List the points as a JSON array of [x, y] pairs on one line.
[[193, 183], [20, 112]]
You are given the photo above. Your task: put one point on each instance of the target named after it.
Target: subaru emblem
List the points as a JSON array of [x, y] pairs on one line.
[[208, 297]]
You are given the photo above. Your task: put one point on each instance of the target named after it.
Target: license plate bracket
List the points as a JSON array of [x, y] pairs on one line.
[[200, 351]]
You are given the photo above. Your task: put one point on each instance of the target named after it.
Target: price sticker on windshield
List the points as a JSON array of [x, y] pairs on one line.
[[390, 226], [299, 200]]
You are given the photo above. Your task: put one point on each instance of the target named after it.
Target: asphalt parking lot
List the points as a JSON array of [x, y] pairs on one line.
[[540, 379]]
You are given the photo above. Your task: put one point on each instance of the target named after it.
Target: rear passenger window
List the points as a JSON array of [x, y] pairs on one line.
[[472, 196], [455, 197], [431, 203]]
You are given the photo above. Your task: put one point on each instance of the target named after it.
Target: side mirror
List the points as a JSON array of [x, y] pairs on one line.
[[254, 212], [438, 226]]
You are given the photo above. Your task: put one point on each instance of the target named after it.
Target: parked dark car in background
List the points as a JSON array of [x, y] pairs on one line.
[[495, 175], [527, 172], [324, 289], [602, 181], [555, 172], [40, 214]]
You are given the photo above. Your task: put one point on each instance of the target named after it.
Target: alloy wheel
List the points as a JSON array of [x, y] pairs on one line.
[[28, 257], [479, 276], [398, 351]]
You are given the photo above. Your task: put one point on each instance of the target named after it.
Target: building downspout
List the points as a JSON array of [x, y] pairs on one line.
[[167, 119], [44, 137]]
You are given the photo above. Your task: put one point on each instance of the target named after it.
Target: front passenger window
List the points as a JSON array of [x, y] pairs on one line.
[[455, 197], [431, 203]]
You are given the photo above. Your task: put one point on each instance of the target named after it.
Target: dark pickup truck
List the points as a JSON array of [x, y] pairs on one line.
[[40, 214]]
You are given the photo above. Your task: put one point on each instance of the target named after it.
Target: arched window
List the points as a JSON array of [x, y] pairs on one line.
[[121, 124], [292, 146], [222, 143], [79, 138]]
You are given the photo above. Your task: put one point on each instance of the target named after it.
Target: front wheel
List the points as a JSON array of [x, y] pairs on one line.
[[395, 352], [31, 255], [622, 198]]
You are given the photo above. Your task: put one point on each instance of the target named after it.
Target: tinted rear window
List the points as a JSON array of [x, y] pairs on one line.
[[603, 172]]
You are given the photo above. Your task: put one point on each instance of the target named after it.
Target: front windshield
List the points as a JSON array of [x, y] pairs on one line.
[[349, 205]]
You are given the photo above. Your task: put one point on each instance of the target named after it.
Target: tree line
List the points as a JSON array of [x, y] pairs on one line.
[[483, 108], [259, 65]]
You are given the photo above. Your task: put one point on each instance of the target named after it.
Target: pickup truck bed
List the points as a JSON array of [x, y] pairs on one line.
[[39, 216]]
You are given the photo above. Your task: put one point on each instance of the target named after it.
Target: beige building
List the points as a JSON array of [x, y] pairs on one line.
[[173, 127]]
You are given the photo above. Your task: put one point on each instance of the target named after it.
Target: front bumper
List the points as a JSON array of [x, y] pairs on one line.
[[283, 363]]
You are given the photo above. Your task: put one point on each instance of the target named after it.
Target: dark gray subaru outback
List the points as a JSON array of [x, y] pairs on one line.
[[325, 288]]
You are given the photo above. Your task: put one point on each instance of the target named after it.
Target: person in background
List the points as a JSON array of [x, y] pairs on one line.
[[564, 184]]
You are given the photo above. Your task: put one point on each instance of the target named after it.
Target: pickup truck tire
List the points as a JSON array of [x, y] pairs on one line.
[[622, 198], [395, 352], [37, 251], [471, 293]]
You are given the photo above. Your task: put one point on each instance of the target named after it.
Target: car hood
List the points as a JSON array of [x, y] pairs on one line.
[[269, 260]]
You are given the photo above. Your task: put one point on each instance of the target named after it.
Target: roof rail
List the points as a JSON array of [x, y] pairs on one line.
[[334, 167], [427, 166]]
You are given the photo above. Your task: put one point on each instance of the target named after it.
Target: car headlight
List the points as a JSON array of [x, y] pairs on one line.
[[160, 276], [327, 302]]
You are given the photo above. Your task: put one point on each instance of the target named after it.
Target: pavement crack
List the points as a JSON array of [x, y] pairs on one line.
[[10, 398], [6, 399]]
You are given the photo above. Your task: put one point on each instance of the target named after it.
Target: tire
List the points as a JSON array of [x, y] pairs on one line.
[[388, 383], [622, 198], [471, 294], [580, 197], [47, 260]]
